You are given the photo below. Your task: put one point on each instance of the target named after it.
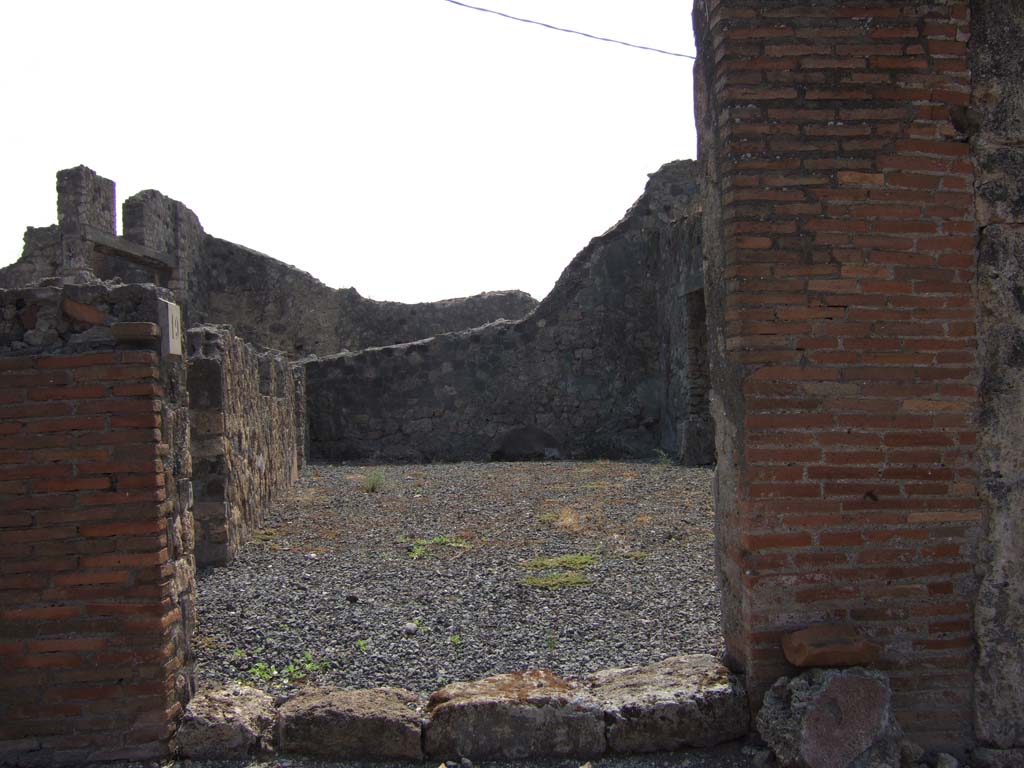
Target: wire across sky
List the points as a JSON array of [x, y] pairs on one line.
[[573, 31]]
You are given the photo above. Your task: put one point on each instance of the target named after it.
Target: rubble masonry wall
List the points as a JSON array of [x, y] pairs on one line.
[[247, 415], [600, 368]]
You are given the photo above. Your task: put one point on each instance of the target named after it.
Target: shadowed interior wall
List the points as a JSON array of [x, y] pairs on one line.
[[598, 369]]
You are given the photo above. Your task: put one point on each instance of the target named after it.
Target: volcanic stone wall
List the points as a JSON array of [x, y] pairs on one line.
[[996, 125], [274, 305], [97, 585], [247, 414], [600, 368], [267, 302]]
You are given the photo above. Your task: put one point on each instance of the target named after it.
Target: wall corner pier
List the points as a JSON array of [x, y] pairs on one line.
[[841, 158], [97, 575]]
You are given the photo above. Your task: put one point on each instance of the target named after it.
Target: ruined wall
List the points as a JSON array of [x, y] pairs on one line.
[[590, 368], [247, 414], [278, 306], [268, 302], [96, 568], [840, 243], [996, 123]]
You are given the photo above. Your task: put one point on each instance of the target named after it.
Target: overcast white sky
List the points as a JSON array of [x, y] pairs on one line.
[[412, 149]]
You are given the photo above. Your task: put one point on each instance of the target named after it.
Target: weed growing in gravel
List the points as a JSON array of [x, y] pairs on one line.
[[455, 639], [558, 580], [294, 671], [373, 481], [419, 547], [262, 671], [362, 645], [561, 571], [569, 562]]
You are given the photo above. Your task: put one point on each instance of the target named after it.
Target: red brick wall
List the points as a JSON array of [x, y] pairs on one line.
[[92, 645], [841, 241]]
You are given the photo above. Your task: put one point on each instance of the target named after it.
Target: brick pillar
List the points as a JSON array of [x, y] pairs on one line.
[[840, 244], [95, 558]]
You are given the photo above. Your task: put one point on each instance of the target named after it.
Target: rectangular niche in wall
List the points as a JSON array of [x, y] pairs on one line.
[[698, 435]]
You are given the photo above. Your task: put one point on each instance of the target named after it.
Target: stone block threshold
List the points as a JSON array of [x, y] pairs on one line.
[[679, 703]]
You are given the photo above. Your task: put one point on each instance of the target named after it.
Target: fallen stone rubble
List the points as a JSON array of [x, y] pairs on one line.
[[684, 701]]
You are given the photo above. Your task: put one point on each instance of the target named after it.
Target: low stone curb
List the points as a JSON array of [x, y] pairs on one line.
[[684, 701]]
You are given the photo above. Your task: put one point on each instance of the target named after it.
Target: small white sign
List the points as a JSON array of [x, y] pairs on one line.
[[170, 328]]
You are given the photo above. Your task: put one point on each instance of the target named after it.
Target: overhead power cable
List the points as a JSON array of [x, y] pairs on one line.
[[573, 31]]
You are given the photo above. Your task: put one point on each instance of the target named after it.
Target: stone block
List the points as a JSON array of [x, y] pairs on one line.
[[376, 724], [83, 313], [831, 719], [514, 717], [829, 645], [228, 723], [683, 701], [135, 331]]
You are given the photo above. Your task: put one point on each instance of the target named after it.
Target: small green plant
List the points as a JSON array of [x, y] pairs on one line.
[[558, 580], [559, 572], [238, 654], [455, 639], [419, 547], [262, 671], [552, 641], [373, 481], [569, 562], [362, 645], [663, 459]]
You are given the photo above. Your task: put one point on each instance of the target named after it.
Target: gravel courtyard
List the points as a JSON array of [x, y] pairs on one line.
[[418, 575]]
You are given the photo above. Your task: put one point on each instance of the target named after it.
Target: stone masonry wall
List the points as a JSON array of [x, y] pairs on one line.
[[96, 569], [840, 243], [274, 305], [268, 302], [996, 125], [247, 419], [585, 374]]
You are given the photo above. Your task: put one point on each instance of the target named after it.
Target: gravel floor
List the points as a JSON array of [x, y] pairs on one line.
[[425, 580]]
